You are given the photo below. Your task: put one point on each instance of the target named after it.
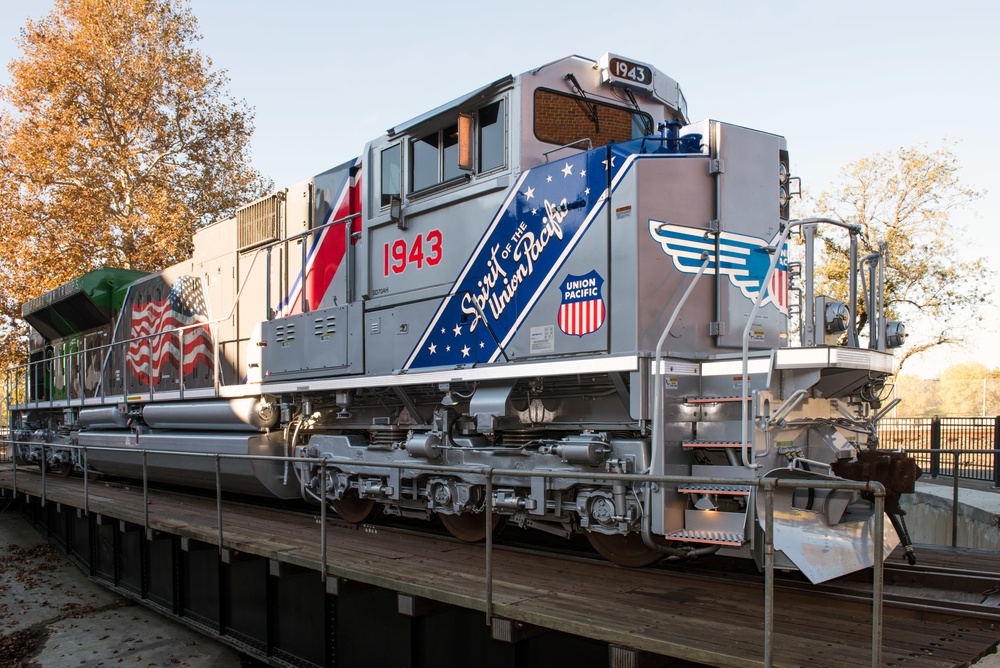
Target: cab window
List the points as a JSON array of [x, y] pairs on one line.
[[391, 164], [492, 136], [434, 159], [563, 119]]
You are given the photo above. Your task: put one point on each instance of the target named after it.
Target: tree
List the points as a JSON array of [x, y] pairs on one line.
[[117, 141], [920, 397], [969, 389], [906, 199]]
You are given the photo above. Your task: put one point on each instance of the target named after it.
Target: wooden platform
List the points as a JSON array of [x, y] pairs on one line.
[[675, 615]]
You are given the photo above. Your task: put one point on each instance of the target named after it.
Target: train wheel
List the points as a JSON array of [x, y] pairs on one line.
[[627, 550], [64, 468], [468, 527], [353, 509]]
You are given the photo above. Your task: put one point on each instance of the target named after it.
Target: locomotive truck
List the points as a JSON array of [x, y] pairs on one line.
[[556, 273]]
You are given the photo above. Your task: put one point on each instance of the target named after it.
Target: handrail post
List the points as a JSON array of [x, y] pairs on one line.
[[322, 522], [13, 461], [877, 574], [304, 298], [935, 446], [180, 335], [996, 452], [954, 497], [218, 497], [149, 365], [769, 485], [86, 478], [267, 285], [489, 548], [80, 364], [43, 467], [145, 493]]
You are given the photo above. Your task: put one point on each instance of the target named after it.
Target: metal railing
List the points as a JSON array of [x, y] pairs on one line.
[[768, 486], [38, 378], [955, 457], [932, 439]]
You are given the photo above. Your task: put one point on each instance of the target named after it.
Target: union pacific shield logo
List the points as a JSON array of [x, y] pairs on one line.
[[582, 309]]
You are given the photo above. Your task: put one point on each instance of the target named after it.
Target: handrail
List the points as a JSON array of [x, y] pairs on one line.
[[590, 146], [956, 456], [109, 347], [745, 447], [657, 435], [786, 407], [767, 485]]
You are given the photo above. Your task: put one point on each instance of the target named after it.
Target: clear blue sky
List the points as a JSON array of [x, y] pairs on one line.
[[839, 80]]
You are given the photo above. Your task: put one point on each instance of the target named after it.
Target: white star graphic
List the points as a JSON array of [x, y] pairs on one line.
[[442, 330], [605, 162], [465, 351], [583, 172], [586, 191], [529, 193], [567, 170], [447, 349], [548, 179], [432, 348], [482, 344], [457, 330], [534, 212]]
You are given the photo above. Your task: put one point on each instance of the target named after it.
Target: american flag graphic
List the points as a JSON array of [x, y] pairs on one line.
[[148, 357], [328, 247], [582, 308], [743, 259]]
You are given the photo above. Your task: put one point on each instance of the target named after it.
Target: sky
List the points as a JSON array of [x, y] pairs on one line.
[[840, 81]]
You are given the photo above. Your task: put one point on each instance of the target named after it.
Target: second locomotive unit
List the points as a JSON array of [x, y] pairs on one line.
[[554, 274]]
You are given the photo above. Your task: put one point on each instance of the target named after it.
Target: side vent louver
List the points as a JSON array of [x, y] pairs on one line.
[[259, 222], [324, 328]]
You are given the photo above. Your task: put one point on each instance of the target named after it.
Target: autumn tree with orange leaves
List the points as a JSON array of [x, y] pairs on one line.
[[117, 142]]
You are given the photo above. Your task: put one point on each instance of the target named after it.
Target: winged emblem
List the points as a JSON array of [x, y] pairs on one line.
[[743, 259]]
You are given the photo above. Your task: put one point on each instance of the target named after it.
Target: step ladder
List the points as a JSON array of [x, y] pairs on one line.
[[711, 526]]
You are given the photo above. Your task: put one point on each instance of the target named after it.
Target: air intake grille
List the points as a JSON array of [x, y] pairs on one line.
[[259, 222]]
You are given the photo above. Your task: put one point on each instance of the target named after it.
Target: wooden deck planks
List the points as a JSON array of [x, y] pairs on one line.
[[665, 613]]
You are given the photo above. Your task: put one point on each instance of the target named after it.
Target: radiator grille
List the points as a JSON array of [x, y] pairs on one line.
[[259, 222]]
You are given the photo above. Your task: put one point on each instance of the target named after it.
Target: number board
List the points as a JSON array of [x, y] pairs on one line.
[[619, 71]]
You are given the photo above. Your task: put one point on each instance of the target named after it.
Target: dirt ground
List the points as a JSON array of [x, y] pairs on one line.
[[53, 615]]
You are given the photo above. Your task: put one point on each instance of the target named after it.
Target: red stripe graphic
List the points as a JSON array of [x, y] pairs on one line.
[[328, 250]]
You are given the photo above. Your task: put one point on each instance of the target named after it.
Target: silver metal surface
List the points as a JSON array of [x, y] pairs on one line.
[[243, 414]]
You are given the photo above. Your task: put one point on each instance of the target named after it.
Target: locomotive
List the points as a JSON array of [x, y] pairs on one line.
[[557, 273]]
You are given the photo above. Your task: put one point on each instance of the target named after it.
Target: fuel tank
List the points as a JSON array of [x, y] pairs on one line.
[[244, 476], [242, 414]]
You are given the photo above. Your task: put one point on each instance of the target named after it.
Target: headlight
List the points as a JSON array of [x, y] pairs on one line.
[[895, 334], [835, 317]]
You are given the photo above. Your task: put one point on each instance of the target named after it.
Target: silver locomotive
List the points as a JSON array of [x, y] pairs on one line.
[[555, 274]]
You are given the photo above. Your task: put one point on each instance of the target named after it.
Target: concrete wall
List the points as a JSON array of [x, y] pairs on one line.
[[929, 516]]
